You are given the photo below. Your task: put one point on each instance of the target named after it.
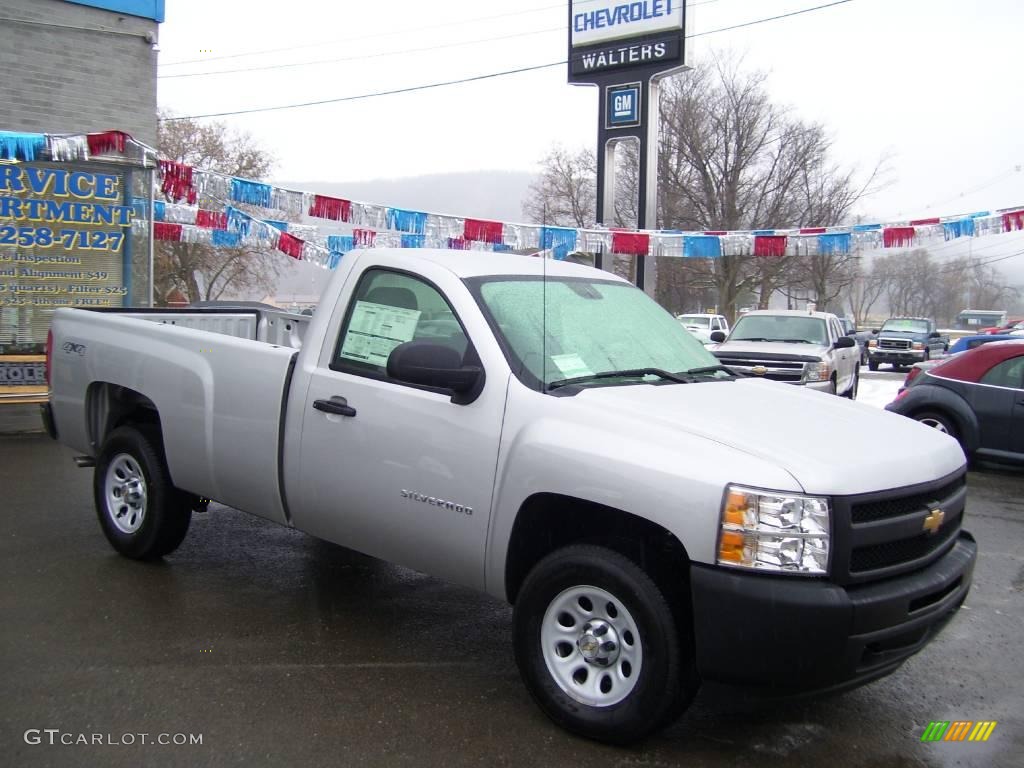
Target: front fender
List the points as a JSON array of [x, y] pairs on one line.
[[926, 397]]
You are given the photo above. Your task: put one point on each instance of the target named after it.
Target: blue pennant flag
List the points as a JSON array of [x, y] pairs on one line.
[[341, 243], [238, 221], [251, 192], [335, 258], [866, 227], [159, 210], [225, 239], [560, 240], [980, 214], [282, 225], [413, 241], [834, 243], [702, 247], [140, 208], [406, 221], [502, 248], [763, 232], [21, 146], [955, 229]]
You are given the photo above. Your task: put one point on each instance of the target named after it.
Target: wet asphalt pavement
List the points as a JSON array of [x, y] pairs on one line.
[[282, 650]]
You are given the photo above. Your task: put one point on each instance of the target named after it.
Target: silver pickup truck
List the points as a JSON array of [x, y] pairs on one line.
[[548, 434]]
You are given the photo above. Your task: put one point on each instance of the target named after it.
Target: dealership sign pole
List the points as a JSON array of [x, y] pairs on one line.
[[625, 48]]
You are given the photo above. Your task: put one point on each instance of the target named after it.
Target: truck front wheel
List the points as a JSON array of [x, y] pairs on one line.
[[141, 513], [599, 647]]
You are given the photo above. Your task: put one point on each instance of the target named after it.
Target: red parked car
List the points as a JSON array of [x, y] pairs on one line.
[[976, 397]]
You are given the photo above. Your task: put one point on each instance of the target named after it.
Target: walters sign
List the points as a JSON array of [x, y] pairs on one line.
[[611, 35]]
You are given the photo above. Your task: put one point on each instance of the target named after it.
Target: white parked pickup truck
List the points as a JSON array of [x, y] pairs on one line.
[[547, 433]]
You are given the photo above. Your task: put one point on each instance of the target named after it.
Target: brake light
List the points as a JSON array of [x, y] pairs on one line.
[[912, 374], [49, 356]]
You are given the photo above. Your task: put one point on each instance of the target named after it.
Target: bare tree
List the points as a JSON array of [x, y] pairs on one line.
[[564, 194], [863, 292], [199, 270]]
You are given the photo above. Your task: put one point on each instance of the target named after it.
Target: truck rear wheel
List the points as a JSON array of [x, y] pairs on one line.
[[872, 365], [140, 511], [599, 647]]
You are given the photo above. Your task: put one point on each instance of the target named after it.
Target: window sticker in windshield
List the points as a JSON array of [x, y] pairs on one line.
[[376, 329], [571, 366]]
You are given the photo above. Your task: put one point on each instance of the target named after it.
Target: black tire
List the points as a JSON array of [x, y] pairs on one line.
[[863, 356], [851, 393], [142, 527], [666, 681], [872, 365], [833, 388]]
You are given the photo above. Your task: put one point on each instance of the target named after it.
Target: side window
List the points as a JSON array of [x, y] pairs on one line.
[[388, 309], [836, 330], [715, 325], [1009, 373]]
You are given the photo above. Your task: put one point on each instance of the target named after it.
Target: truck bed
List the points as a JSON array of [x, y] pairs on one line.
[[223, 374]]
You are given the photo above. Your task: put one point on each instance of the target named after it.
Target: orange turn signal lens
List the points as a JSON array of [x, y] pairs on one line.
[[735, 508], [730, 548]]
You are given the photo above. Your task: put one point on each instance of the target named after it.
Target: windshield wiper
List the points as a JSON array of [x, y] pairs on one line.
[[710, 369], [798, 341], [634, 372]]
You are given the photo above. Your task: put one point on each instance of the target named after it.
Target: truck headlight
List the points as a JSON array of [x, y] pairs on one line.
[[817, 371], [872, 343], [774, 531], [917, 345]]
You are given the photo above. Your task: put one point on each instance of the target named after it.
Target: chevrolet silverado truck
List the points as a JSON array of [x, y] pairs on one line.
[[546, 433], [807, 348], [903, 341]]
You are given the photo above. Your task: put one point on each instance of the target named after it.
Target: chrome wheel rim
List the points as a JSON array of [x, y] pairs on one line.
[[591, 646], [125, 493], [935, 424]]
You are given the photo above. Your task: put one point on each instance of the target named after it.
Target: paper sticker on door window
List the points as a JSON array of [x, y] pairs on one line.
[[375, 330], [571, 365]]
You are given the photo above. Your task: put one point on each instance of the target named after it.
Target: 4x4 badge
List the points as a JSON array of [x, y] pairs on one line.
[[933, 522]]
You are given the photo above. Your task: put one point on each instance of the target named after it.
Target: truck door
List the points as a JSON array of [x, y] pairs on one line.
[[407, 476], [844, 358]]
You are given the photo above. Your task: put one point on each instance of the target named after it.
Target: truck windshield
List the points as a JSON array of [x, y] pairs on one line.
[[913, 326], [588, 327], [794, 329], [702, 322]]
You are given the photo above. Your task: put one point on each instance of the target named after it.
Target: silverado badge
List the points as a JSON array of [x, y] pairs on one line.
[[934, 520]]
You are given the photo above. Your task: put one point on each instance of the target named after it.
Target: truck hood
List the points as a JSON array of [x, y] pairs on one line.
[[775, 349], [913, 335], [831, 445]]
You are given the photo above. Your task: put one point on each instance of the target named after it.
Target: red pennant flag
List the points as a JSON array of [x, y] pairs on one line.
[[177, 181], [108, 141], [365, 238], [924, 222], [331, 208], [770, 245], [898, 237], [717, 232], [484, 231], [290, 244], [814, 231], [163, 230], [635, 243], [1013, 220], [211, 219]]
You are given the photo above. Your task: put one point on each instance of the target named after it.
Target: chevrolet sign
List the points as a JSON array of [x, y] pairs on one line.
[[600, 21]]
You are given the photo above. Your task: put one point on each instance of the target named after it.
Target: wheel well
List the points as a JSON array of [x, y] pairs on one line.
[[109, 406], [548, 521]]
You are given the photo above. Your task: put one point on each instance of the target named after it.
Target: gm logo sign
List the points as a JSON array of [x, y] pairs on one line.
[[622, 106]]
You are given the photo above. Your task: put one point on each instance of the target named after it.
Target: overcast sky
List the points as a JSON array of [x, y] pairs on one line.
[[934, 84]]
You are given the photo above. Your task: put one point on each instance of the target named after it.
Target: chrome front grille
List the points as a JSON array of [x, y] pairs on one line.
[[897, 344], [791, 372]]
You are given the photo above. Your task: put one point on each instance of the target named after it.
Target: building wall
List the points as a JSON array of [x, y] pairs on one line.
[[71, 68]]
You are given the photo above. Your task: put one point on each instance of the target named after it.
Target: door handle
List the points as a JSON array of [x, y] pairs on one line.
[[336, 405]]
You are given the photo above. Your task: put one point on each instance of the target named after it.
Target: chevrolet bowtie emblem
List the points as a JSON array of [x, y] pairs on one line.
[[933, 522], [759, 370]]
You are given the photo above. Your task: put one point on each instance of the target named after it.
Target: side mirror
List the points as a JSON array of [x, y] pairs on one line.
[[845, 342], [875, 331], [717, 337], [435, 365]]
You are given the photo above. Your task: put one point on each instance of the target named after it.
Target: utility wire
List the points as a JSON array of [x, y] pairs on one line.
[[384, 34], [474, 78]]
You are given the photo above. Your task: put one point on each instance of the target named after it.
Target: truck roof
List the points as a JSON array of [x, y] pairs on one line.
[[789, 312], [484, 263]]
